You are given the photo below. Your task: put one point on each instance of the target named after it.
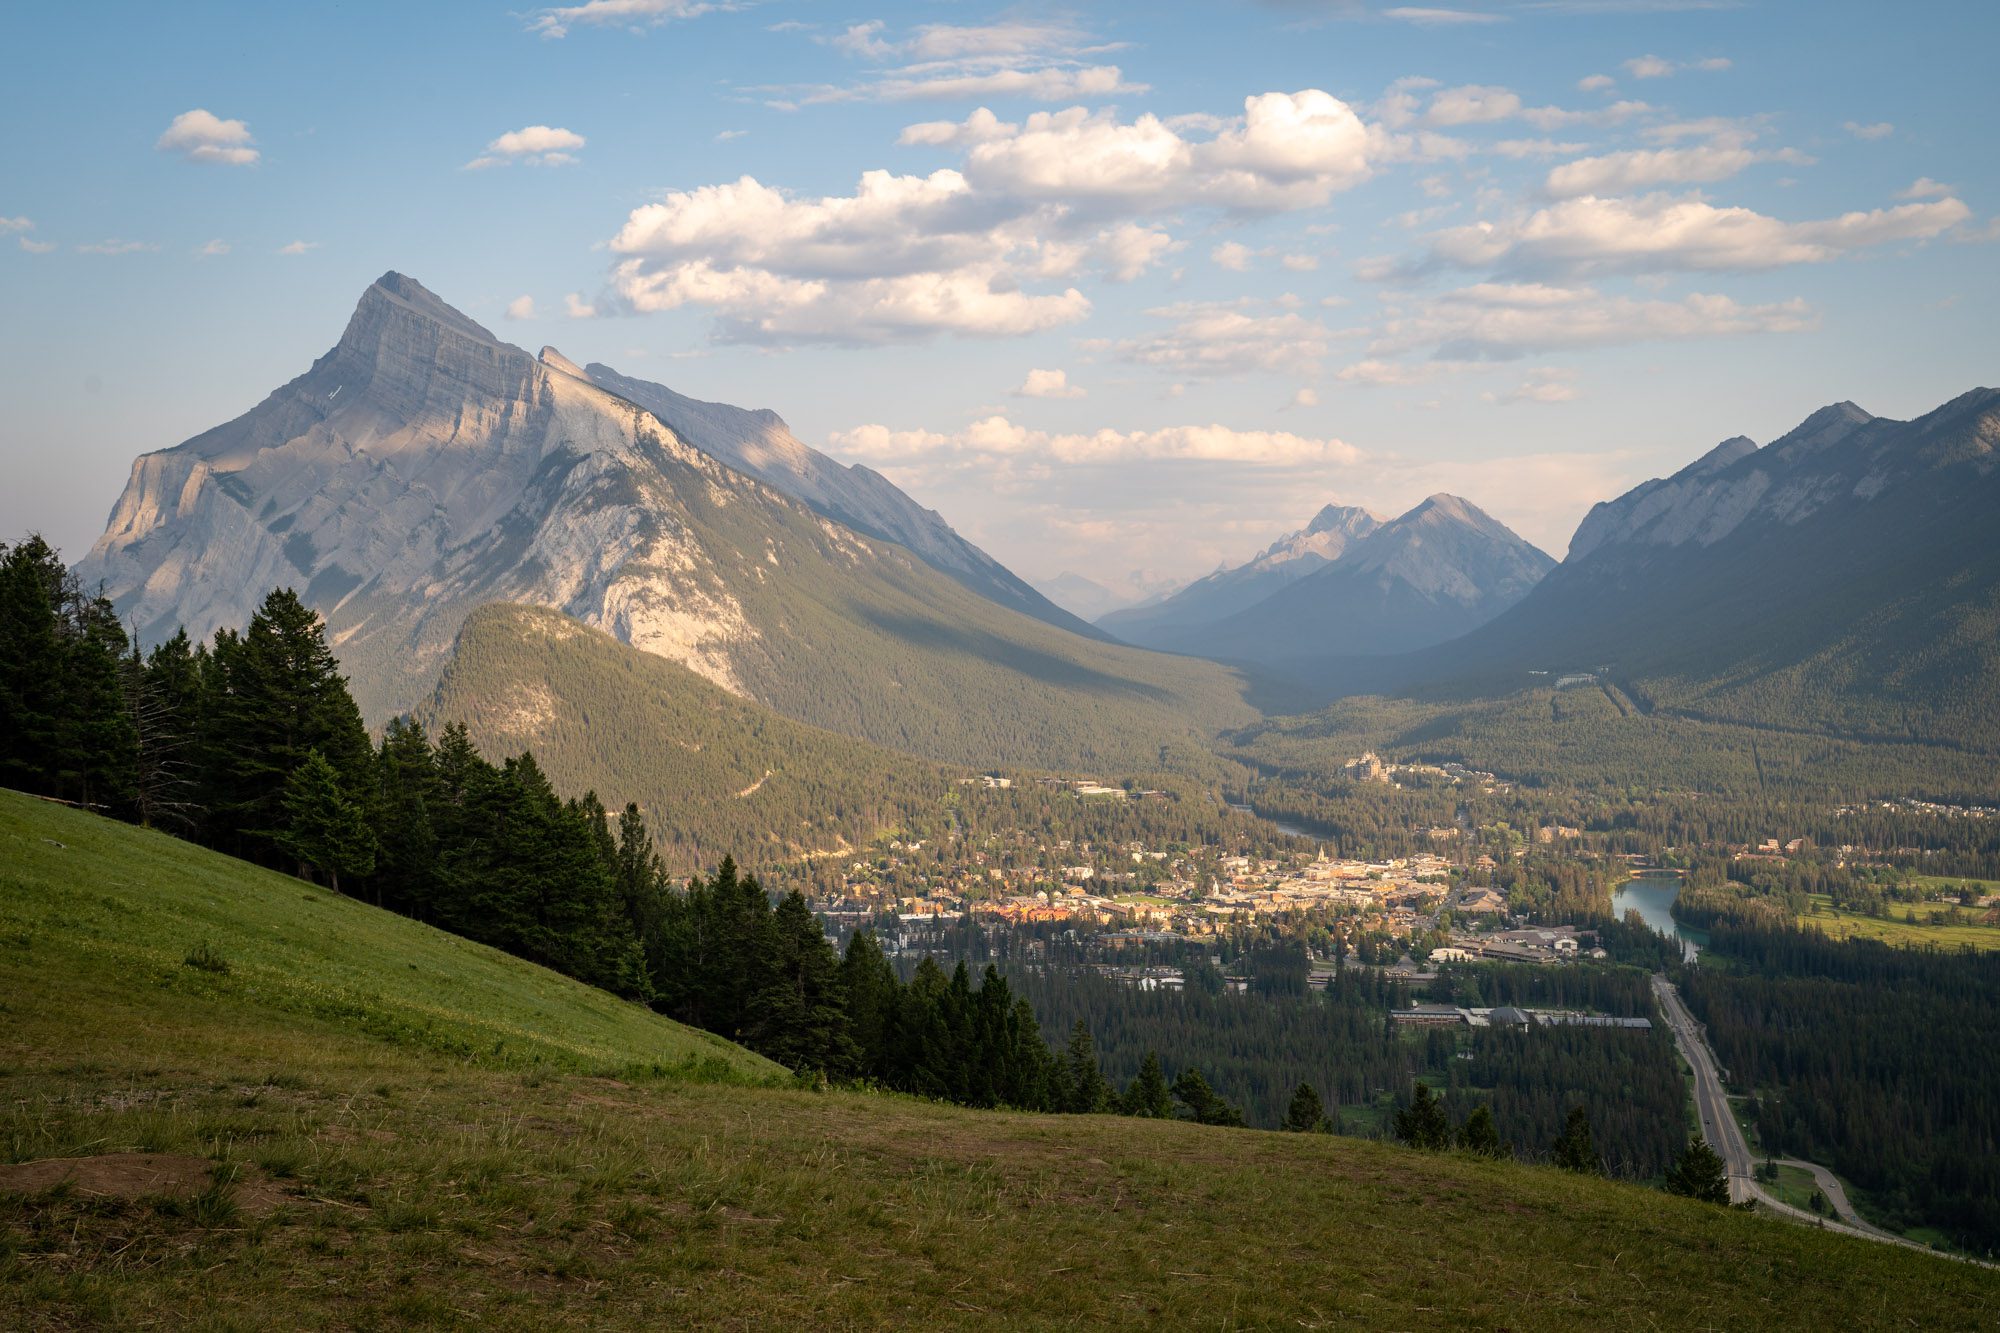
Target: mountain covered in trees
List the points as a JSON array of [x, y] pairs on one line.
[[1429, 575], [1164, 622], [1844, 577], [422, 468], [715, 774]]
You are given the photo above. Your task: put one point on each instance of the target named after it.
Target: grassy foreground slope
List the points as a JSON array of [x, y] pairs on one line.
[[713, 773], [395, 1184], [90, 898]]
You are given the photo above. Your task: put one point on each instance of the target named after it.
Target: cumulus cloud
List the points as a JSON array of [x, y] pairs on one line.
[[1663, 233], [15, 224], [1648, 169], [1596, 83], [1232, 255], [1496, 321], [1210, 339], [988, 248], [521, 307], [1306, 396], [1879, 130], [577, 308], [202, 136], [298, 247], [35, 247], [1048, 384], [535, 145], [633, 15], [997, 437], [1925, 188]]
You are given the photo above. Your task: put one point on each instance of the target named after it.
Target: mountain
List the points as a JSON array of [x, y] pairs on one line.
[[713, 773], [759, 444], [422, 468], [1080, 596], [1165, 622], [1843, 577]]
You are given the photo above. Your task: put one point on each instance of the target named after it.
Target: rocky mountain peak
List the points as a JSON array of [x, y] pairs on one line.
[[1729, 452], [555, 360], [1350, 519]]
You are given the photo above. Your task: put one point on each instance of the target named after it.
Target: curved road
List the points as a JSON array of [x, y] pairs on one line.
[[1719, 1127]]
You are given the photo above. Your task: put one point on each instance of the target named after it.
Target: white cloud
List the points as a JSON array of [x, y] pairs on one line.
[[536, 145], [1648, 169], [298, 247], [1662, 233], [1473, 104], [1213, 339], [521, 307], [1879, 130], [1653, 67], [1596, 83], [201, 136], [1545, 385], [973, 251], [15, 224], [577, 308], [998, 438], [1299, 263], [1306, 396], [1925, 188], [630, 14], [1495, 321], [213, 249], [1232, 255], [112, 247], [34, 247], [27, 243], [1048, 384], [1392, 374], [1425, 17], [1035, 61], [729, 136]]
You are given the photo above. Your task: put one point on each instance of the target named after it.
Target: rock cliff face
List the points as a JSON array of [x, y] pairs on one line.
[[1169, 621], [422, 468], [760, 444]]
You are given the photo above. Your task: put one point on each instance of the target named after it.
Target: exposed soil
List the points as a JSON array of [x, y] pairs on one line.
[[139, 1175]]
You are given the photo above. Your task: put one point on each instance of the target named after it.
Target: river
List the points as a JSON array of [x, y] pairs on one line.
[[1651, 894]]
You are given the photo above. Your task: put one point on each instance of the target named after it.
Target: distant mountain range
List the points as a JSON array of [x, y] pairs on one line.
[[1843, 577], [1348, 583], [1163, 622], [422, 469]]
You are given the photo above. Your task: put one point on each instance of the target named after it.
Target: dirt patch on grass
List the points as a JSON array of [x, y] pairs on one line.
[[139, 1175]]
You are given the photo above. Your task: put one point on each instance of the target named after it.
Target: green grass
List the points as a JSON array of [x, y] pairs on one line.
[[82, 895], [374, 1183], [1893, 929], [1795, 1186]]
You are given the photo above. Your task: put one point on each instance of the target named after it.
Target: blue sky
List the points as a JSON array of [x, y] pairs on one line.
[[1119, 289]]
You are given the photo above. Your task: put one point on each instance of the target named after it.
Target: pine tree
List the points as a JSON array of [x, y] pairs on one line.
[[97, 738], [1699, 1174], [1085, 1090], [322, 828], [408, 790], [871, 991], [1191, 1090], [1574, 1150], [165, 690], [1479, 1135], [32, 578], [1423, 1123], [1149, 1096], [1306, 1114], [797, 1018]]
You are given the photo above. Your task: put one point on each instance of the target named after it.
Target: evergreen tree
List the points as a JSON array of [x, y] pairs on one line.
[[322, 828], [1423, 1123], [797, 1018], [1574, 1150], [1149, 1096], [1699, 1173], [165, 691], [96, 736], [1085, 1090], [1479, 1135], [408, 790], [1306, 1114], [872, 994], [1191, 1090], [32, 578]]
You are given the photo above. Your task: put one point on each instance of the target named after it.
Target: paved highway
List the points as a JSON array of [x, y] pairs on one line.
[[1719, 1127]]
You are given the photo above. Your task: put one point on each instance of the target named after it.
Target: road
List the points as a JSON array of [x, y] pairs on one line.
[[1719, 1127]]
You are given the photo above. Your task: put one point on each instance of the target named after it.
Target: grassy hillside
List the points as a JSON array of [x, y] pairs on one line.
[[86, 898], [713, 773], [369, 1183]]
